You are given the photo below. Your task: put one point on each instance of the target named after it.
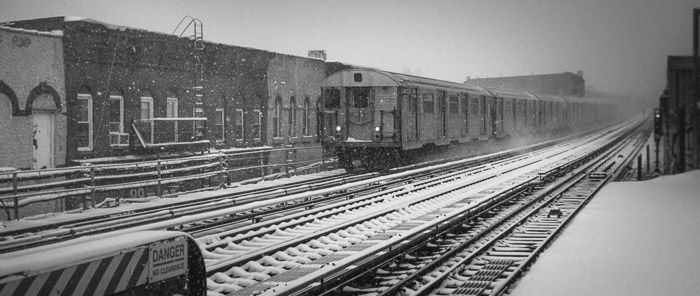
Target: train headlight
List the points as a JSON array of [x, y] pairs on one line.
[[337, 128], [376, 129]]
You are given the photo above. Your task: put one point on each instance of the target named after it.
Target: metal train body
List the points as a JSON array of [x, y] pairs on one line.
[[377, 119], [140, 263]]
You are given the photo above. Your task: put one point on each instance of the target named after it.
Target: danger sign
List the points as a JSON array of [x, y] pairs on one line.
[[167, 260]]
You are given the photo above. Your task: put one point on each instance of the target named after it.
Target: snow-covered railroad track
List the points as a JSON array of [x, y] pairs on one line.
[[484, 255], [286, 259], [175, 215], [47, 233]]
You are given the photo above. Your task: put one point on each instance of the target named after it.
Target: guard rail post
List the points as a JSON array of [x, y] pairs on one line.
[[14, 196], [639, 167], [222, 172], [159, 190], [262, 167]]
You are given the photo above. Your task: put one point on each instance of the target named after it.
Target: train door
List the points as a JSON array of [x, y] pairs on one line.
[[360, 113], [442, 102], [410, 101], [329, 107], [483, 115], [494, 116], [465, 109], [513, 107]]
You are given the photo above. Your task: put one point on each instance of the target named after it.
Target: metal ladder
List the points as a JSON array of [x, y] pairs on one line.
[[198, 65]]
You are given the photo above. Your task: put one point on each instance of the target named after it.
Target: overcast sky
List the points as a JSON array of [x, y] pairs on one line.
[[620, 45]]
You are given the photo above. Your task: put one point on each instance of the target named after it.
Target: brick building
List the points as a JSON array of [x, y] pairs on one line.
[[561, 84], [32, 99], [117, 78]]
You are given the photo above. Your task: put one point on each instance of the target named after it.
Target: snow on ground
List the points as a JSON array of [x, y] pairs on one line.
[[633, 238]]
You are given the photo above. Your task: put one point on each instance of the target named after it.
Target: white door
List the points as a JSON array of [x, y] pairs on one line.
[[43, 139]]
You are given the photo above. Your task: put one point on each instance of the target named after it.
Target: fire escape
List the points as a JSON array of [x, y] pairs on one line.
[[173, 132], [198, 72]]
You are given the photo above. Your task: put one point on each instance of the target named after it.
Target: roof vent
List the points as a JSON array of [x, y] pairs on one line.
[[317, 54]]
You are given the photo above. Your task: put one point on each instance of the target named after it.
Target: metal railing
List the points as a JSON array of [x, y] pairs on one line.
[[168, 131]]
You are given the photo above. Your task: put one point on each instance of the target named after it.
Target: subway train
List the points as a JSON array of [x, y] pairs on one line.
[[375, 120]]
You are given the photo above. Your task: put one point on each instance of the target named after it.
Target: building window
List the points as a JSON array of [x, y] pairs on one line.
[[84, 121], [172, 112], [454, 105], [292, 117], [239, 125], [306, 118], [117, 137], [257, 124], [428, 104], [219, 131], [146, 116], [276, 118], [198, 125]]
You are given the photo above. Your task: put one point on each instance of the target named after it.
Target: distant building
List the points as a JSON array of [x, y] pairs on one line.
[[680, 110], [562, 84]]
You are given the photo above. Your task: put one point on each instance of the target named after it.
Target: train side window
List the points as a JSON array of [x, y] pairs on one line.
[[475, 106], [454, 105], [332, 97], [428, 104]]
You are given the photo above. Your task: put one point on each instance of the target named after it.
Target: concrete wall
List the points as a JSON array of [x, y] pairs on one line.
[[31, 77]]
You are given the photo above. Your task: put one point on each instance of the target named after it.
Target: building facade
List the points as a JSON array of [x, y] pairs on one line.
[[33, 111], [128, 88]]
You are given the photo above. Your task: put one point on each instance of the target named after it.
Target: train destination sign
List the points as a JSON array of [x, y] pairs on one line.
[[167, 260]]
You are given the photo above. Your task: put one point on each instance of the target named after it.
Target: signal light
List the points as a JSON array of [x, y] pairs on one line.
[[658, 122]]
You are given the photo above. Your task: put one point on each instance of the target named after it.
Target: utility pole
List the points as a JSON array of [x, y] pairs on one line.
[[695, 113]]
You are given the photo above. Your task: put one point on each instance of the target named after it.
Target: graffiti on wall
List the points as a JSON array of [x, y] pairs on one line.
[[16, 41]]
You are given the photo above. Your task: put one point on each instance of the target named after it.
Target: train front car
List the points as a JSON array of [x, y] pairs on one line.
[[360, 118]]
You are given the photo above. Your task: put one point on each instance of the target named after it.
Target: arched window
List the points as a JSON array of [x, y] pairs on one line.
[[83, 116], [276, 118], [306, 118], [292, 117], [5, 106]]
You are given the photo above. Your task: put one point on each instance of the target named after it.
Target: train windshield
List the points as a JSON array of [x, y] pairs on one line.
[[360, 97], [331, 97]]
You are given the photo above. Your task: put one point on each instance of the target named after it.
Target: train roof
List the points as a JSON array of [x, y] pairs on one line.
[[375, 77]]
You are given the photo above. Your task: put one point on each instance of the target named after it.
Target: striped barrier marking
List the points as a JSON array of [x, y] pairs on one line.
[[99, 277]]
